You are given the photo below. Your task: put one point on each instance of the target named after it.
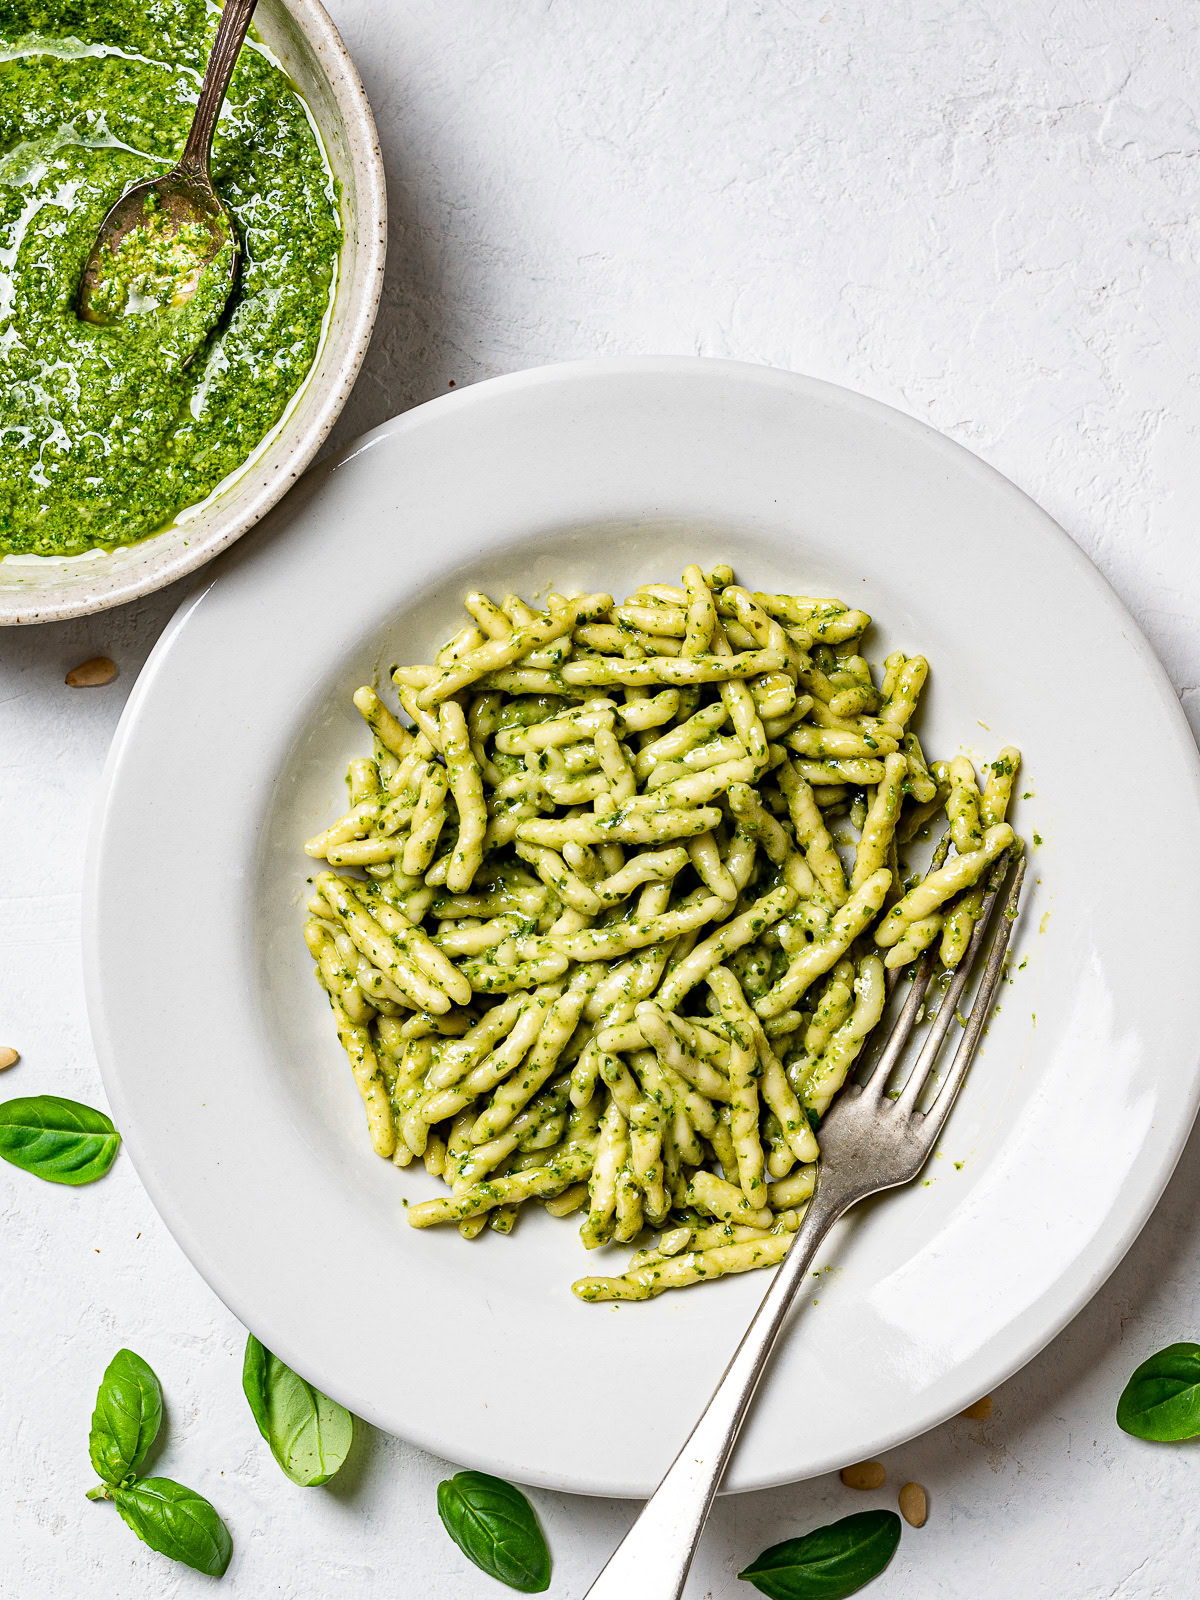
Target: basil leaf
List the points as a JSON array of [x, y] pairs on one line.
[[1162, 1399], [177, 1522], [828, 1563], [494, 1526], [126, 1420], [309, 1434], [56, 1139]]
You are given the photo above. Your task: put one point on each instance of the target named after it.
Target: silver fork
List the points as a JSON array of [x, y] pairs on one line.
[[868, 1142]]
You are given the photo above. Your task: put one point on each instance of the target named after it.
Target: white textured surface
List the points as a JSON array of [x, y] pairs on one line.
[[983, 216]]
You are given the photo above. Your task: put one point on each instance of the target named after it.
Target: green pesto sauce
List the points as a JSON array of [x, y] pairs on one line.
[[108, 432]]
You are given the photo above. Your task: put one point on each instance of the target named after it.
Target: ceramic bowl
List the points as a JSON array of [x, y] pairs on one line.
[[217, 1048], [49, 589]]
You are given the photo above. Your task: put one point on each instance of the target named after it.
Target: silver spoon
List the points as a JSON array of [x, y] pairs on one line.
[[182, 199]]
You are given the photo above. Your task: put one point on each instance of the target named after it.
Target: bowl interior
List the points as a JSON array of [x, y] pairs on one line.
[[42, 589], [613, 556]]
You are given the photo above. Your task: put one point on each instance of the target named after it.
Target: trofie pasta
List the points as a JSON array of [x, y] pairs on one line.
[[609, 919]]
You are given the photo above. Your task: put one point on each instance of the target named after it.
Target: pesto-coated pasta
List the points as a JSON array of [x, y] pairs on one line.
[[592, 937]]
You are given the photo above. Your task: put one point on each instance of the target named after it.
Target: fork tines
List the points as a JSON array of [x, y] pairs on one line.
[[906, 1101]]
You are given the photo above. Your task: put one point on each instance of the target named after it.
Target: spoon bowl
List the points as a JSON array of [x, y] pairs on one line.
[[154, 247]]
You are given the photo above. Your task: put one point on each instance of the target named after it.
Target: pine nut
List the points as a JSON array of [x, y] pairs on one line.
[[90, 674], [914, 1505], [8, 1056], [864, 1475], [980, 1411]]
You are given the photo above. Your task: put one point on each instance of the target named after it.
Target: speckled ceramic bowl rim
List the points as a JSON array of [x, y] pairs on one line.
[[337, 368]]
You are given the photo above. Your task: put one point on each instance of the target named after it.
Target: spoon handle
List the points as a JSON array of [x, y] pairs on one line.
[[235, 20]]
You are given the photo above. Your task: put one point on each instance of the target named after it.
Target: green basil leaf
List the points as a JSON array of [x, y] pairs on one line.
[[494, 1526], [177, 1522], [309, 1434], [126, 1420], [1162, 1399], [56, 1139], [828, 1563]]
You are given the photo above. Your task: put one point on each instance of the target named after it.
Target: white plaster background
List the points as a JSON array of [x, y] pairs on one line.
[[983, 214]]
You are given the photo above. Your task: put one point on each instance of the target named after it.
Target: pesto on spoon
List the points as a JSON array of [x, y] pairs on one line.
[[167, 237]]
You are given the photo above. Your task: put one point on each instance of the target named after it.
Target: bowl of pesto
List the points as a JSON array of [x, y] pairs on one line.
[[132, 452]]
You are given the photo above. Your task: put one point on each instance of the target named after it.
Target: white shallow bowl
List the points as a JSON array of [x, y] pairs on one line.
[[217, 1048], [302, 37]]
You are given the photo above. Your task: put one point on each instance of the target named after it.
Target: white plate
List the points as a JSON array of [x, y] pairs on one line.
[[217, 1049]]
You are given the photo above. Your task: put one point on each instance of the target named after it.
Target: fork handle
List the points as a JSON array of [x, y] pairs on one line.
[[652, 1561]]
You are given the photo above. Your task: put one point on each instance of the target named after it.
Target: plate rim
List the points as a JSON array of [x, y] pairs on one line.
[[1106, 1254]]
